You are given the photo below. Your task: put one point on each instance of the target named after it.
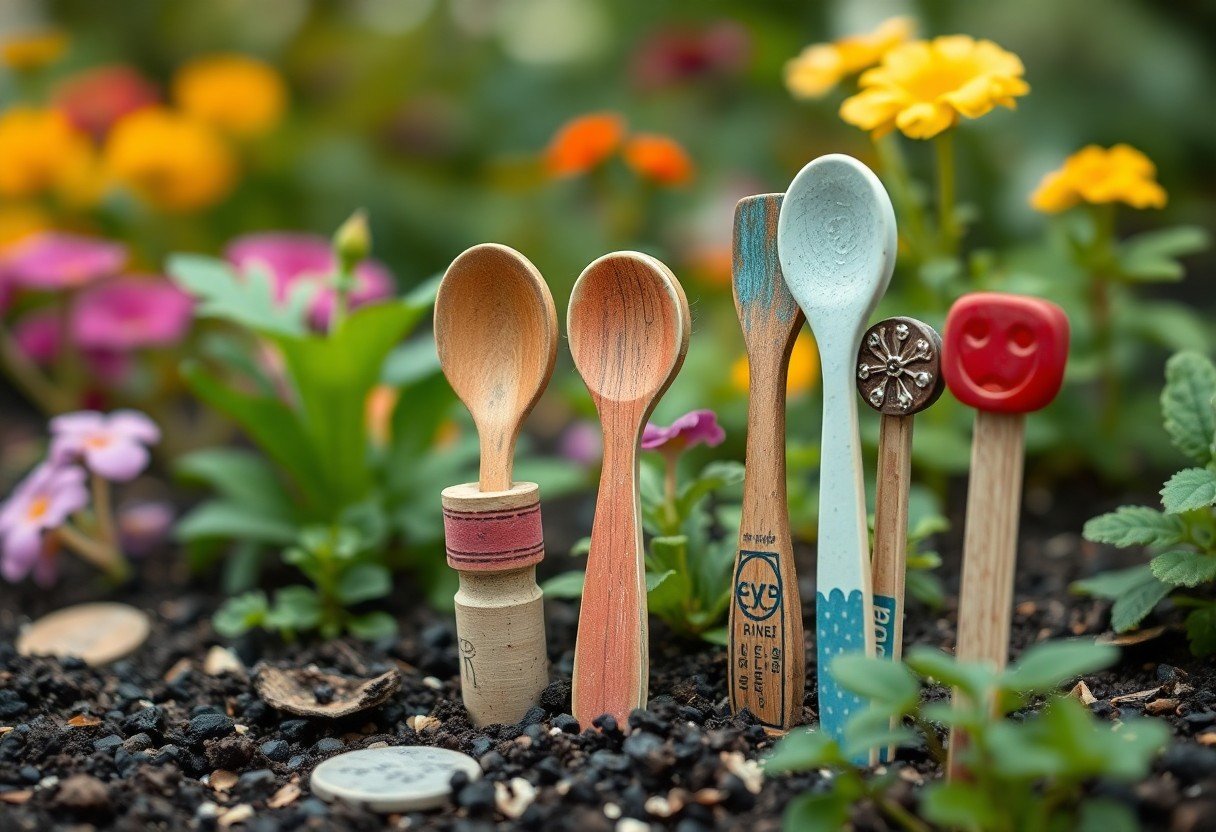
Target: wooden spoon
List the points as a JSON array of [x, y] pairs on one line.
[[496, 331], [767, 662], [836, 240], [628, 325]]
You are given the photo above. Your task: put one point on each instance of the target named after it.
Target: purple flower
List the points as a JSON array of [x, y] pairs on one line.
[[693, 428], [42, 501], [144, 526], [113, 446], [291, 258], [131, 312], [581, 443], [39, 336], [53, 260]]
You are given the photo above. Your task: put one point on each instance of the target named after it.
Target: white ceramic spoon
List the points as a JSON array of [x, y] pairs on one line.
[[836, 242]]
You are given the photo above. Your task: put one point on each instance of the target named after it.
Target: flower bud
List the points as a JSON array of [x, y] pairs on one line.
[[353, 241]]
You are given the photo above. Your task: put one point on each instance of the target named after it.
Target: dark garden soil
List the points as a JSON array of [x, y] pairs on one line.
[[158, 742]]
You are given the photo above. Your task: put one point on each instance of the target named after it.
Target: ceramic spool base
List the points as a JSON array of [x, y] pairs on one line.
[[494, 541]]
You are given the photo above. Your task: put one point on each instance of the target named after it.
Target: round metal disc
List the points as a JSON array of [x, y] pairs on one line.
[[899, 366], [400, 778]]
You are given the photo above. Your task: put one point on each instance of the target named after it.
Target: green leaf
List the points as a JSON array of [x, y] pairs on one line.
[[827, 812], [958, 804], [565, 585], [1201, 630], [878, 680], [1189, 489], [717, 635], [248, 300], [295, 608], [1152, 256], [1113, 584], [803, 750], [1044, 667], [1186, 404], [926, 588], [241, 614], [372, 626], [656, 580], [1106, 815], [976, 680], [1184, 568], [1135, 526], [1133, 606], [240, 476], [233, 521], [714, 476], [363, 582]]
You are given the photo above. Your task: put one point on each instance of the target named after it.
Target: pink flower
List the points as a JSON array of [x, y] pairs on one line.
[[131, 312], [694, 428], [42, 501], [39, 335], [96, 99], [113, 446], [291, 258], [53, 260], [581, 443], [144, 526], [674, 55]]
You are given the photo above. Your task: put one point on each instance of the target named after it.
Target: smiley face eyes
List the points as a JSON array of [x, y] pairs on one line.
[[975, 334]]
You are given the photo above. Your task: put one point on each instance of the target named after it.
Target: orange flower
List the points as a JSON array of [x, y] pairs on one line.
[[33, 50], [1097, 175], [234, 93], [378, 413], [41, 152], [660, 159], [584, 143], [803, 372], [19, 220], [171, 160]]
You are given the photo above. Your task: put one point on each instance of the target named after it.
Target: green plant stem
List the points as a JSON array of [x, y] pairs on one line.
[[345, 281], [103, 511], [1100, 313], [670, 491], [895, 174], [948, 230], [104, 556], [932, 741], [897, 813], [26, 375]]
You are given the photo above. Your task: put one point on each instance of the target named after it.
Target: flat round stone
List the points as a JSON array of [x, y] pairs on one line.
[[98, 633], [400, 778]]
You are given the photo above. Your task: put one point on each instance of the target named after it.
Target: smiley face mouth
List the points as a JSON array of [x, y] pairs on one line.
[[996, 387]]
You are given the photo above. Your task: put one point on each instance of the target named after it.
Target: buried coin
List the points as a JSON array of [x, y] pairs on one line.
[[400, 778], [97, 633]]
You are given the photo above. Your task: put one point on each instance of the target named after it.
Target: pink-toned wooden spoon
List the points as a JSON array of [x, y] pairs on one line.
[[629, 326]]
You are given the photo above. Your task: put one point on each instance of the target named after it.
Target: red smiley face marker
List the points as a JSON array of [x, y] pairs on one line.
[[1005, 353]]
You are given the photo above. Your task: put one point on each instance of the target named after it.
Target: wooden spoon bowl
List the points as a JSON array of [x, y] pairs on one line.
[[629, 328], [496, 332]]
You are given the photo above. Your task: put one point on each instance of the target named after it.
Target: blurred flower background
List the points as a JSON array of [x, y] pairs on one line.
[[1026, 146]]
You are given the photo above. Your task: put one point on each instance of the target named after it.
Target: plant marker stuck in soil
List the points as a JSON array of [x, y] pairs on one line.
[[767, 661], [899, 375], [496, 333], [1004, 355], [836, 238], [629, 326]]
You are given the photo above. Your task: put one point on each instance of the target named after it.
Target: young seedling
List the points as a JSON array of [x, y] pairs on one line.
[[836, 239], [496, 332], [899, 375], [629, 326], [1004, 356], [767, 661]]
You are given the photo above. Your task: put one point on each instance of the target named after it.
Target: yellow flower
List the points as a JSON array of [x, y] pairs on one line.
[[19, 220], [175, 162], [803, 373], [925, 86], [33, 50], [821, 66], [235, 93], [1097, 175], [41, 151]]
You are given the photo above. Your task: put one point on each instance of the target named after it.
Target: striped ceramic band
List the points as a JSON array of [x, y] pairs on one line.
[[493, 541]]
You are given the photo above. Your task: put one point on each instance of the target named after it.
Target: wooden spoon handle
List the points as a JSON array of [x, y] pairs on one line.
[[497, 458], [611, 655], [767, 665]]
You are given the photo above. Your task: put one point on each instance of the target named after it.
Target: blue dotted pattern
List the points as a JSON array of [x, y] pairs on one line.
[[839, 620]]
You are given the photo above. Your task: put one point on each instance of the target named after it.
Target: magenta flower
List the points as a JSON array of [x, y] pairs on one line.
[[41, 502], [39, 336], [54, 260], [131, 312], [291, 258], [694, 428], [114, 447], [581, 443]]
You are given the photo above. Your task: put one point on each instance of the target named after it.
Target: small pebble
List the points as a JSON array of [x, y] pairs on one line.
[[395, 778]]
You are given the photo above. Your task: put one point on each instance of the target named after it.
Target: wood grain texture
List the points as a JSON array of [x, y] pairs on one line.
[[767, 661], [496, 333], [629, 327], [994, 496], [891, 533], [836, 239]]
